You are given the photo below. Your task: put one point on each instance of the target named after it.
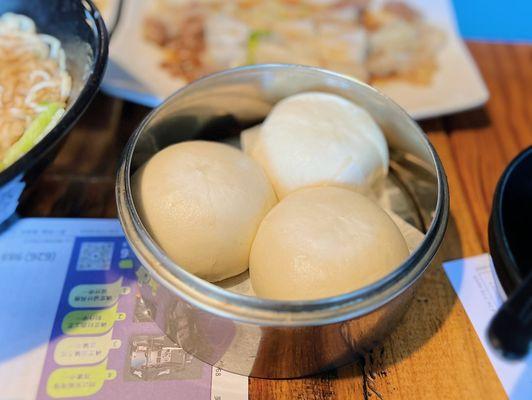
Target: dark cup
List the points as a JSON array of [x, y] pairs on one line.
[[510, 239]]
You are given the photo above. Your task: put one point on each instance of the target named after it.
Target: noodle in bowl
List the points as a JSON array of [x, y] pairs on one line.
[[34, 86]]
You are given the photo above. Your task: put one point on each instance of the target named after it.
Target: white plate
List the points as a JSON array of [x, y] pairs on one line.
[[134, 73]]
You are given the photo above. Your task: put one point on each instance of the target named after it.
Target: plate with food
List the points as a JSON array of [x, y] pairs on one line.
[[409, 50]]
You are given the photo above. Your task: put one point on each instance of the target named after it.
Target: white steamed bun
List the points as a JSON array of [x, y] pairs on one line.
[[313, 139], [202, 202], [323, 241]]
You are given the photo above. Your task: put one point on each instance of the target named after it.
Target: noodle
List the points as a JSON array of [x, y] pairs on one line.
[[33, 78]]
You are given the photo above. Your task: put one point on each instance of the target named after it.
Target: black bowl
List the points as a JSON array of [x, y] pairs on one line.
[[81, 30], [510, 228], [510, 241]]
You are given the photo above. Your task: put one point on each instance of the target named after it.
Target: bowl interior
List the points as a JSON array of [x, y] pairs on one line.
[[79, 27], [72, 24]]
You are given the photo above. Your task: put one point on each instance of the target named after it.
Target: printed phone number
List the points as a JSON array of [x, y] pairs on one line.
[[40, 256]]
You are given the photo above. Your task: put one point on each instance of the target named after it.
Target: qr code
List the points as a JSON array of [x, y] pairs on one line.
[[95, 256]]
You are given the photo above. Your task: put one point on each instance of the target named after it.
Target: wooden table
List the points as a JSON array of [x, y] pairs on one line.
[[435, 353]]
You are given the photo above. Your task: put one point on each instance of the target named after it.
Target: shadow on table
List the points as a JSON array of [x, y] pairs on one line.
[[431, 305], [433, 301], [471, 119], [81, 181]]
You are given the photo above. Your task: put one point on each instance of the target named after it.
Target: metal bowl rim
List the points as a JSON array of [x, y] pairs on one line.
[[214, 299]]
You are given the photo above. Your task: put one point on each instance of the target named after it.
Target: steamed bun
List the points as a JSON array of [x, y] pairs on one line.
[[202, 202], [323, 241], [313, 139]]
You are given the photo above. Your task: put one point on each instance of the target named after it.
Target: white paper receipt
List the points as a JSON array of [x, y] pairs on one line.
[[474, 282]]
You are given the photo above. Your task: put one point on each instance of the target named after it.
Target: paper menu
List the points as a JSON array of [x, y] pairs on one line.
[[74, 325], [476, 286]]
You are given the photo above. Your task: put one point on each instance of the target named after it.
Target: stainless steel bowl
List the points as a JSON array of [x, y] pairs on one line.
[[265, 338]]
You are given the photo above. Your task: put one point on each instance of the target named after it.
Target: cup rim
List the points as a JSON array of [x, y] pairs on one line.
[[267, 312], [506, 266]]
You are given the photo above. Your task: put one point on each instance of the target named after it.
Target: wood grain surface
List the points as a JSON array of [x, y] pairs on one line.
[[435, 353]]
